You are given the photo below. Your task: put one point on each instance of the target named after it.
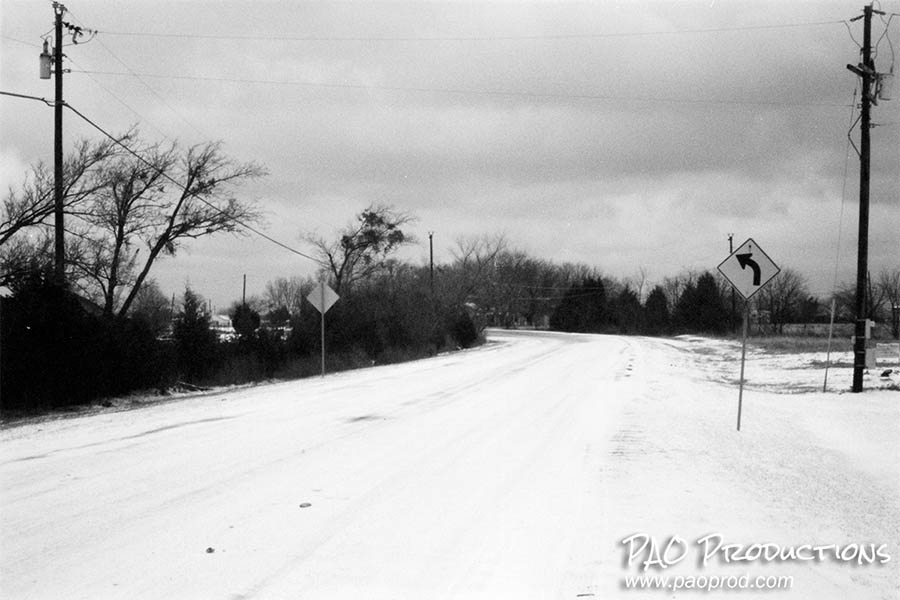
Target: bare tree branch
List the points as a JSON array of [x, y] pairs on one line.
[[82, 177], [363, 247]]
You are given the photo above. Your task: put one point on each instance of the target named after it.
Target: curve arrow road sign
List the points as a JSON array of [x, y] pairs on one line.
[[745, 260], [748, 269]]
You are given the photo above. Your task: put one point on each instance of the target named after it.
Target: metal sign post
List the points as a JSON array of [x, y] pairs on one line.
[[743, 356], [323, 297], [828, 353], [322, 321], [748, 269]]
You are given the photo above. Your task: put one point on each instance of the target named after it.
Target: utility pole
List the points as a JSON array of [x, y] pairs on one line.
[[244, 293], [59, 239], [431, 259], [866, 71], [733, 307]]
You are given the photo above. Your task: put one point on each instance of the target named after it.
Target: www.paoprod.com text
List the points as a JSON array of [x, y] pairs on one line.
[[707, 583]]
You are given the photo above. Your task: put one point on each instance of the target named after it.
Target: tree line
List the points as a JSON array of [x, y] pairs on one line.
[[129, 204], [511, 288]]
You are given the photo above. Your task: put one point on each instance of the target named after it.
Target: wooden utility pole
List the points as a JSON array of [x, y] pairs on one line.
[[59, 226], [866, 71], [431, 259], [733, 306]]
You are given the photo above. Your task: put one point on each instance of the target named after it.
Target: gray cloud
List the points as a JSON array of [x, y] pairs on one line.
[[609, 149]]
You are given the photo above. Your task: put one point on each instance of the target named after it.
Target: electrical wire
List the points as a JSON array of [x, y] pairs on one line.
[[837, 256], [549, 287], [474, 92], [850, 134], [18, 41], [192, 194], [493, 38], [145, 84], [27, 97], [887, 25], [850, 31], [110, 92], [123, 103]]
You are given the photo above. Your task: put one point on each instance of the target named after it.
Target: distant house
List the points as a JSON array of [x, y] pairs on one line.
[[221, 324]]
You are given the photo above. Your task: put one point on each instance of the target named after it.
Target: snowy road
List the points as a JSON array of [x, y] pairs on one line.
[[509, 471]]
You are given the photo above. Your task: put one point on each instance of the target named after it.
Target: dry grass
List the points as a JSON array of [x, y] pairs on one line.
[[783, 344]]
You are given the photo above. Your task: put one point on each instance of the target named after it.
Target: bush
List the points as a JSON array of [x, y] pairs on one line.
[[463, 330], [701, 307], [55, 353], [245, 321], [47, 340], [583, 308], [195, 342]]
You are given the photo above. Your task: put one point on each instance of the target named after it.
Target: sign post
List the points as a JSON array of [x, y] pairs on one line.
[[748, 269], [322, 297], [743, 357]]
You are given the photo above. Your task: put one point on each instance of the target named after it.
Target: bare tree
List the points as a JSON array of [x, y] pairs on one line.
[[288, 293], [148, 208], [876, 297], [363, 247], [152, 307], [783, 296], [573, 274], [23, 255], [33, 204], [512, 271], [845, 302], [674, 287], [889, 284], [525, 284], [474, 263], [637, 282]]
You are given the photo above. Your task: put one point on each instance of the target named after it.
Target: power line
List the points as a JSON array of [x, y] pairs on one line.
[[885, 34], [550, 287], [18, 41], [146, 85], [837, 256], [123, 103], [192, 194], [491, 38], [27, 97], [474, 92], [852, 37]]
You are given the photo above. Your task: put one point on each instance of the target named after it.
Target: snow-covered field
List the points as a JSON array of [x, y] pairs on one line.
[[514, 471]]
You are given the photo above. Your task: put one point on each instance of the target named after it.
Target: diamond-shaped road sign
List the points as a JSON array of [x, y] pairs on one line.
[[748, 269], [322, 297]]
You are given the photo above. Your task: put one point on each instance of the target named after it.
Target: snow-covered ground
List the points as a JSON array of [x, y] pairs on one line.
[[510, 471]]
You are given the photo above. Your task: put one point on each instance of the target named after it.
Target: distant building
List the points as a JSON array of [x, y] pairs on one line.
[[221, 324]]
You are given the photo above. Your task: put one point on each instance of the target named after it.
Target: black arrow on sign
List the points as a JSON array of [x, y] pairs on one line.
[[744, 260]]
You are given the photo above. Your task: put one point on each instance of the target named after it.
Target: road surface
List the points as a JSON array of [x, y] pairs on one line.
[[509, 471]]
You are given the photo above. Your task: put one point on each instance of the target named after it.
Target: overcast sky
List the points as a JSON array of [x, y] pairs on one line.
[[625, 135]]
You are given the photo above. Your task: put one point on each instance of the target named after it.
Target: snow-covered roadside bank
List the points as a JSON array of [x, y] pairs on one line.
[[180, 393], [807, 469], [783, 372]]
